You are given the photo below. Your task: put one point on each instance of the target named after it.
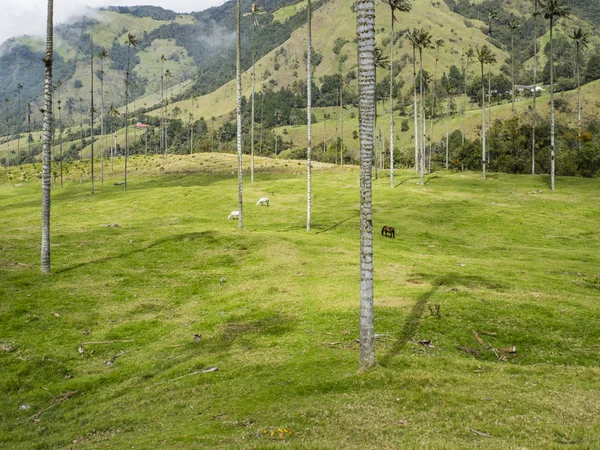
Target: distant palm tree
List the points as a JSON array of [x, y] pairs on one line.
[[514, 24], [309, 114], [162, 102], [553, 10], [484, 56], [255, 11], [19, 89], [102, 55], [401, 6], [60, 139], [365, 29], [413, 37], [438, 43], [423, 39], [239, 110], [114, 113], [46, 170], [382, 62], [169, 77], [131, 42], [6, 102], [92, 109], [469, 55], [581, 39], [535, 93]]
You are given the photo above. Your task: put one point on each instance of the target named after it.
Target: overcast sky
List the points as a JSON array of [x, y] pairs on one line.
[[18, 17]]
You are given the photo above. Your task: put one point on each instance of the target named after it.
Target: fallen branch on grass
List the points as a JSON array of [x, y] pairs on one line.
[[60, 399], [107, 342], [198, 372]]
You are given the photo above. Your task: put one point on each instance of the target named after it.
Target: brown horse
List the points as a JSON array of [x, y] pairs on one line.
[[388, 232]]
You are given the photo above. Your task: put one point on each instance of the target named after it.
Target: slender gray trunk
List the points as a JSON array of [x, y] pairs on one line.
[[535, 61], [365, 28], [422, 119], [415, 109], [239, 112], [102, 130], [48, 119], [483, 124], [552, 143], [127, 116], [253, 95], [309, 114], [392, 105], [578, 98], [92, 112]]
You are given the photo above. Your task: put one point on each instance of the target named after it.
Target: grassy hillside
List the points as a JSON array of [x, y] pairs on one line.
[[276, 310]]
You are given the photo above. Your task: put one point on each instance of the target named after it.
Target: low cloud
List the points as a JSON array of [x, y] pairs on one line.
[[29, 17]]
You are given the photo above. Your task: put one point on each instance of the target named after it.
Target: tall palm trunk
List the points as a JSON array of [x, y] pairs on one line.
[[19, 88], [46, 184], [239, 112], [365, 28], [342, 127], [102, 131], [392, 105], [253, 96], [432, 118], [415, 109], [552, 142], [535, 61], [60, 141], [464, 108], [127, 116], [422, 119], [483, 123], [578, 95], [309, 114], [92, 111]]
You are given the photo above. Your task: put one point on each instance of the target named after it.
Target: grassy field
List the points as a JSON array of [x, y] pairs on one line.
[[277, 312]]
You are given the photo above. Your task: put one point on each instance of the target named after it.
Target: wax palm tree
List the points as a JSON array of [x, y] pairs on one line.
[[581, 39], [60, 139], [553, 10], [365, 28], [6, 102], [413, 38], [48, 62], [168, 78], [469, 55], [513, 25], [484, 56], [163, 59], [255, 11], [423, 40], [395, 6], [239, 110], [309, 113], [131, 42], [535, 63], [114, 113], [19, 89], [82, 132], [102, 55], [381, 62], [29, 137], [92, 110], [438, 43]]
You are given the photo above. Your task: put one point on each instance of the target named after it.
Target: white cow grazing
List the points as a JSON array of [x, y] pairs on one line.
[[234, 215], [263, 201]]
